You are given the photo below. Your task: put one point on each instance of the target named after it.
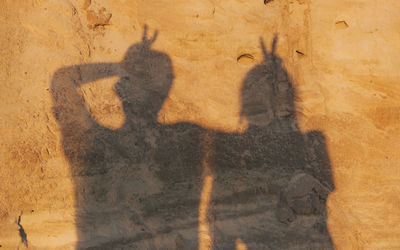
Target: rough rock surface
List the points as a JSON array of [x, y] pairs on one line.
[[187, 136], [304, 195]]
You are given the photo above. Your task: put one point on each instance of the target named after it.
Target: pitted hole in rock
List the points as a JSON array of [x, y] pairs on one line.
[[245, 59], [341, 24]]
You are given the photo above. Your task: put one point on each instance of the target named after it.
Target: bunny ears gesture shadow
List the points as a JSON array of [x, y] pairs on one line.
[[148, 42]]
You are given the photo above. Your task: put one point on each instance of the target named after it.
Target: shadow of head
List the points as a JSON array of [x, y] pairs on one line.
[[267, 93], [148, 78]]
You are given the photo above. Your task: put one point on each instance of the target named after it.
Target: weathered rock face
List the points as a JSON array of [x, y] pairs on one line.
[[209, 128]]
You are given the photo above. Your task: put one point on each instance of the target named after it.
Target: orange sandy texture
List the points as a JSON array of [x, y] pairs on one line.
[[346, 76]]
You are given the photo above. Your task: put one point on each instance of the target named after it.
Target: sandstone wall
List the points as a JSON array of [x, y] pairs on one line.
[[338, 58]]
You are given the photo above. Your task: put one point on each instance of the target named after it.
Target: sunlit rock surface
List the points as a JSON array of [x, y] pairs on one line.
[[189, 136]]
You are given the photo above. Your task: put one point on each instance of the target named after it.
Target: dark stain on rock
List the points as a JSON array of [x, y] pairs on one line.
[[22, 233]]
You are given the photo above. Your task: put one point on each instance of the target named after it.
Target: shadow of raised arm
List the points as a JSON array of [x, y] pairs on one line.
[[69, 106]]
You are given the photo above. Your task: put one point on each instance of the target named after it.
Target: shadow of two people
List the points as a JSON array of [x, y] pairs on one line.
[[143, 180]]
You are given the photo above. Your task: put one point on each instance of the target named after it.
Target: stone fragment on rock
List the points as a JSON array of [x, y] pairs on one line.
[[304, 195]]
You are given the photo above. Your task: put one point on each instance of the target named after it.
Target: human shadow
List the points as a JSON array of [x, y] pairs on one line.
[[271, 168], [139, 186], [125, 179]]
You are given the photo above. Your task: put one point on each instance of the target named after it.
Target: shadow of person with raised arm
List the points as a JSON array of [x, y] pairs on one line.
[[133, 183], [272, 181]]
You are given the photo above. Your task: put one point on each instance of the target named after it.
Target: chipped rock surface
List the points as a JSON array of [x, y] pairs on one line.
[[199, 124], [304, 195]]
